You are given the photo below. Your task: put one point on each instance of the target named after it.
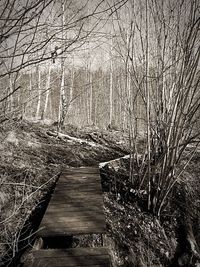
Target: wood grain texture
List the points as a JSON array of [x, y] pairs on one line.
[[76, 206], [70, 257]]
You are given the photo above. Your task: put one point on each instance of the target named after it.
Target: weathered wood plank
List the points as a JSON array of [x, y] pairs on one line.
[[78, 201], [73, 199], [76, 205], [42, 264], [91, 257], [78, 175], [72, 208], [78, 190], [76, 194], [50, 232], [54, 223], [75, 188], [71, 251], [73, 261], [75, 211], [74, 183], [91, 184], [61, 218], [88, 170], [76, 215], [84, 182]]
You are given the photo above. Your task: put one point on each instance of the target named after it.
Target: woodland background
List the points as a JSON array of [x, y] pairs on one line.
[[117, 65]]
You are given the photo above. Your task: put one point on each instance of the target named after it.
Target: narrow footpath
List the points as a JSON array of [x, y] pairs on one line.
[[75, 208]]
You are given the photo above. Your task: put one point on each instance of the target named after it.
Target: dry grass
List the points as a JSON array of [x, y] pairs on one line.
[[30, 161]]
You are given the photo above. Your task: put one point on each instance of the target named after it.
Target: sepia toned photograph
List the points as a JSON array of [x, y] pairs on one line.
[[99, 133]]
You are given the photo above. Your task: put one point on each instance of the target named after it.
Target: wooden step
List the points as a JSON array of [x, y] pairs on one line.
[[89, 257]]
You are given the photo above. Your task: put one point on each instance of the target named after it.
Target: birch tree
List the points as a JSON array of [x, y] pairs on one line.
[[163, 55], [39, 93]]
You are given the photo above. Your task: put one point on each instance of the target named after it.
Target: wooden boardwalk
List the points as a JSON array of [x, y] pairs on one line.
[[75, 208]]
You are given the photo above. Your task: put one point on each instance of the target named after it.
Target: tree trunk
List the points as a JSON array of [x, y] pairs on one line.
[[48, 84], [111, 84], [39, 94], [62, 106]]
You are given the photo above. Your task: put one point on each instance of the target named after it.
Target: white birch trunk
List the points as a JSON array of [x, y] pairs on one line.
[[91, 97], [48, 84], [61, 114], [10, 101], [39, 94], [111, 84], [71, 88]]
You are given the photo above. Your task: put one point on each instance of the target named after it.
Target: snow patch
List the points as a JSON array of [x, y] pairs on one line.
[[33, 144], [103, 164], [3, 198], [78, 140], [11, 138]]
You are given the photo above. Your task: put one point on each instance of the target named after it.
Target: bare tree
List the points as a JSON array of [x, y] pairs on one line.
[[23, 39], [162, 51]]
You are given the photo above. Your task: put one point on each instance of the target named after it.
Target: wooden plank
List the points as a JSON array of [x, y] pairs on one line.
[[76, 182], [92, 194], [87, 170], [50, 232], [74, 207], [76, 195], [72, 213], [73, 261], [73, 219], [67, 224], [81, 174], [84, 260], [69, 189], [89, 176], [75, 257], [85, 199], [87, 182], [42, 264], [80, 199], [76, 202], [88, 251], [58, 264], [78, 176]]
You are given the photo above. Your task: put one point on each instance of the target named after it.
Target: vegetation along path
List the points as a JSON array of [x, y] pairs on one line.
[[75, 208]]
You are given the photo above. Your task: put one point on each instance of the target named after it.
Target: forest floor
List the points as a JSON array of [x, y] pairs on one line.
[[32, 157]]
